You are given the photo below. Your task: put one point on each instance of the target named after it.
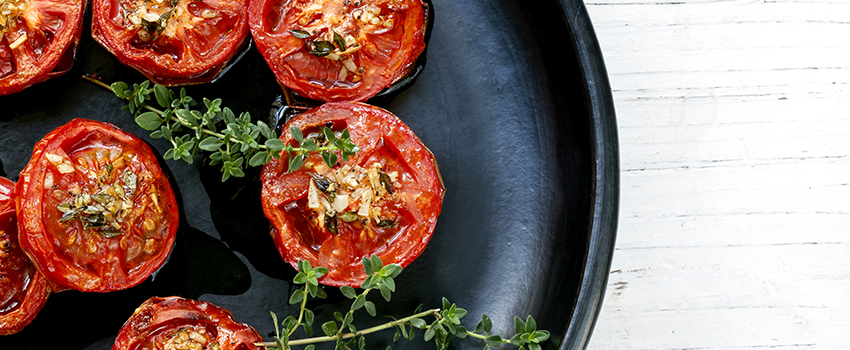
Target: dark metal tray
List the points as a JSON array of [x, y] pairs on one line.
[[515, 104]]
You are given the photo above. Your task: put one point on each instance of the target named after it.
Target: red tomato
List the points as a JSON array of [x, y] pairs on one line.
[[383, 201], [178, 323], [95, 211], [172, 42], [339, 50], [23, 290], [38, 40]]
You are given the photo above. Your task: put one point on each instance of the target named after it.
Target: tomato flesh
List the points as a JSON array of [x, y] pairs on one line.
[[384, 201], [172, 42], [178, 323], [374, 43], [35, 38], [97, 212], [23, 290]]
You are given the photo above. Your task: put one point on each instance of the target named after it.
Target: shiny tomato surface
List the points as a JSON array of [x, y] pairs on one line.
[[172, 42], [95, 210], [339, 50], [38, 40], [383, 201], [178, 323], [23, 290]]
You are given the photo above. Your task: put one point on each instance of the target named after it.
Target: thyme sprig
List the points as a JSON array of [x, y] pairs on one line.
[[230, 139], [445, 326]]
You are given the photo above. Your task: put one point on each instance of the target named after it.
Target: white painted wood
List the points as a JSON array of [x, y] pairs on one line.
[[734, 122]]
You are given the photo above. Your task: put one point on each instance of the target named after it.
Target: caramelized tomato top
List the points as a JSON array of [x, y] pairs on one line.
[[38, 39], [178, 323], [172, 42], [23, 290], [96, 211], [339, 50], [384, 201]]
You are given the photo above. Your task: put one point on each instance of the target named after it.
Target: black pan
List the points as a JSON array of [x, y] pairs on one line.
[[515, 104]]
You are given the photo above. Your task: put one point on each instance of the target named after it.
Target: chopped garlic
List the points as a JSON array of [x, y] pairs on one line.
[[350, 40], [48, 180], [18, 42], [343, 73], [126, 206], [365, 203], [134, 18], [313, 196], [349, 64], [374, 178], [340, 202], [156, 202], [150, 17], [327, 205], [357, 194], [63, 165], [54, 158], [366, 17]]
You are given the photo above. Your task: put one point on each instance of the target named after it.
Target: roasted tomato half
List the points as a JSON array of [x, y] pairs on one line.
[[172, 42], [38, 40], [383, 201], [178, 323], [95, 211], [23, 290], [339, 50]]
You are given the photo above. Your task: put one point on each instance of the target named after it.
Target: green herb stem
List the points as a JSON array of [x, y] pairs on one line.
[[301, 313], [241, 143], [378, 328], [97, 82], [175, 119]]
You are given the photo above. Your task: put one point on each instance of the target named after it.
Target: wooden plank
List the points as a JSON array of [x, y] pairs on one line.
[[735, 196]]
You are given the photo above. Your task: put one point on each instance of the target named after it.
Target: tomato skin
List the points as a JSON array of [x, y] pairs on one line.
[[24, 290], [387, 55], [72, 256], [50, 47], [159, 319], [382, 138], [195, 51]]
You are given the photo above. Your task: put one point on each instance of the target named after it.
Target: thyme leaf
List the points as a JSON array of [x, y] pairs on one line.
[[445, 326], [339, 41], [321, 48], [162, 22], [299, 33], [149, 26], [234, 142]]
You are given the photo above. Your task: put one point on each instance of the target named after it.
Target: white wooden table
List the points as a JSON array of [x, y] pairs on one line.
[[734, 125]]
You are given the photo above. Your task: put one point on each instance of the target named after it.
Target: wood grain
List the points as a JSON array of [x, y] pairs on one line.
[[734, 124]]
